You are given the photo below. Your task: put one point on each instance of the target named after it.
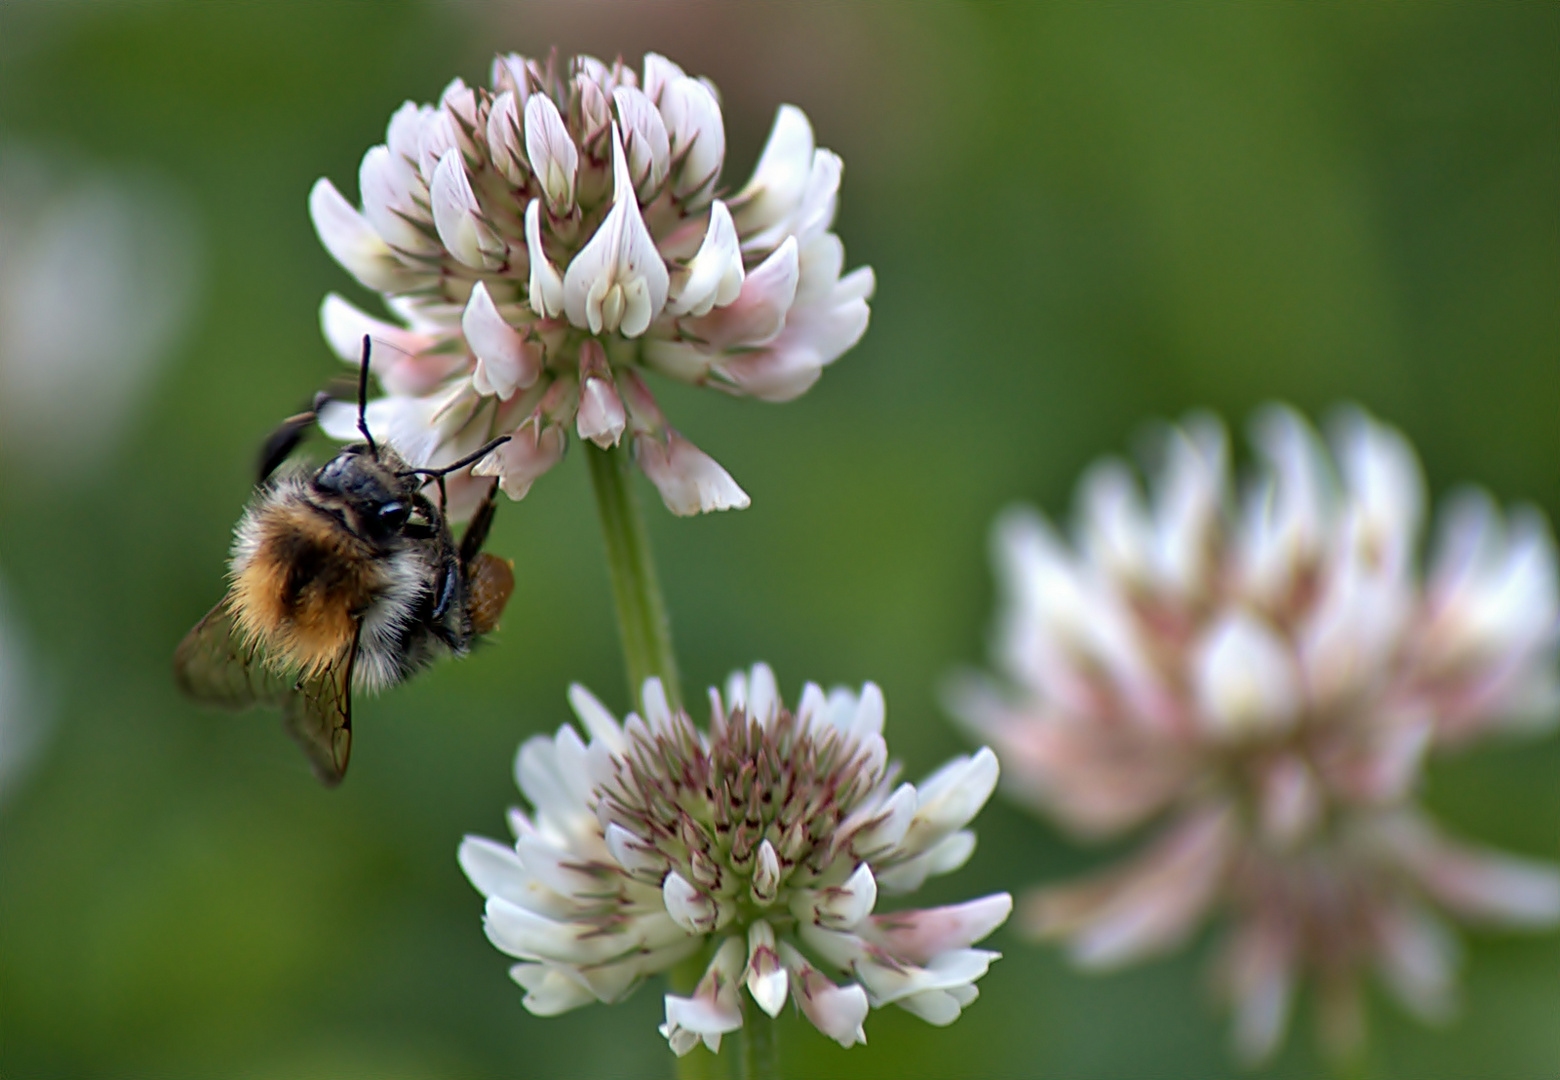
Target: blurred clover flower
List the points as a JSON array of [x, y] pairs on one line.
[[545, 240], [99, 276], [762, 844], [1260, 678]]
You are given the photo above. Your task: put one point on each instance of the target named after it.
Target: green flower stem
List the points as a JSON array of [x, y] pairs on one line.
[[641, 613], [760, 1037], [647, 651], [1353, 1065]]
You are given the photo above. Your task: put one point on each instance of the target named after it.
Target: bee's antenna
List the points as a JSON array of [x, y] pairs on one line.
[[444, 470], [363, 398]]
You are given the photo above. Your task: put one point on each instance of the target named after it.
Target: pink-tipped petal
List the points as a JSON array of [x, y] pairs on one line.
[[918, 936], [644, 415], [1260, 971], [818, 330], [759, 312], [618, 281], [765, 977], [714, 1009], [534, 449], [637, 857], [766, 875], [505, 362], [837, 1011], [689, 480], [345, 326], [1246, 682], [659, 72], [552, 153], [505, 141], [1477, 883], [779, 179], [389, 186], [1417, 957], [458, 218], [551, 989], [545, 291], [693, 910], [645, 140], [353, 243], [714, 275], [601, 416], [1144, 907], [698, 137], [839, 907]]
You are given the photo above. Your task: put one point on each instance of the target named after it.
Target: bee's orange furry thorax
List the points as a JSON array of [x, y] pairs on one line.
[[304, 586]]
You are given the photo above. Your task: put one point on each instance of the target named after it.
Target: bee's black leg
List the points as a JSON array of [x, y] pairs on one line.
[[476, 533], [282, 442], [285, 439], [446, 594]]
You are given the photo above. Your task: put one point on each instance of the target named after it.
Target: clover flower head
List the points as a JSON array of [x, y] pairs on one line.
[[1260, 676], [545, 239], [761, 844]]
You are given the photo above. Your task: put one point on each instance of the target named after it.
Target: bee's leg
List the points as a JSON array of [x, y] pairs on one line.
[[285, 439], [446, 594], [282, 442], [476, 533]]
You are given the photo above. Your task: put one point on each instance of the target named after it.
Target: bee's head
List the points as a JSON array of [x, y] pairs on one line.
[[376, 490], [374, 495]]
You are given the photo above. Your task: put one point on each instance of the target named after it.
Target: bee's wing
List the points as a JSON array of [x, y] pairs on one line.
[[318, 715], [215, 666]]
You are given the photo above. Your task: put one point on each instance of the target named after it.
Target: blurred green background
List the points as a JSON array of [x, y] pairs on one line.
[[1081, 217]]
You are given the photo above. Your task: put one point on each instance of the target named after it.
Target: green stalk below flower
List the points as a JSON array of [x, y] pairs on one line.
[[760, 1045], [647, 651], [641, 613]]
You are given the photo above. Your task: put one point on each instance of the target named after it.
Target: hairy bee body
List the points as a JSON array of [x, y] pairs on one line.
[[342, 578], [310, 570]]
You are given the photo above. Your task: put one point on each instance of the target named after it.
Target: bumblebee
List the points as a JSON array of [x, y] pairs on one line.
[[343, 579]]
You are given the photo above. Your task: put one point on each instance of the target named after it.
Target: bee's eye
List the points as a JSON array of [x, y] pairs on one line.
[[393, 513]]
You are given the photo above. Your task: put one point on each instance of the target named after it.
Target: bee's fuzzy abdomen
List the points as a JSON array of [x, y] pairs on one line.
[[301, 580]]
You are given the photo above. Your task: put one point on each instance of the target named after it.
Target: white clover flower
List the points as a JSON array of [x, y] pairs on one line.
[[762, 844], [544, 240], [1261, 677]]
